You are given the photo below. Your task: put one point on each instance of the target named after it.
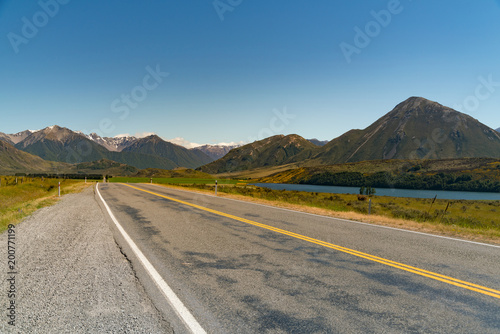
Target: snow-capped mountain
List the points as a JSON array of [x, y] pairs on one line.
[[114, 144], [118, 143], [217, 151]]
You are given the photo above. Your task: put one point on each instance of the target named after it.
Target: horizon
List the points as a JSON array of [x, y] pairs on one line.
[[245, 72]]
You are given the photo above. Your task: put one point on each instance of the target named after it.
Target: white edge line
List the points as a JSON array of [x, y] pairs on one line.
[[334, 218], [176, 303]]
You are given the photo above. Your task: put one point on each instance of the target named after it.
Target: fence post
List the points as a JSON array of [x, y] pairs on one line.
[[215, 187], [370, 206], [59, 189]]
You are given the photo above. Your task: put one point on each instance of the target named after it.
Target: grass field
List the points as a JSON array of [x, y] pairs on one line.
[[172, 180], [476, 220], [19, 200]]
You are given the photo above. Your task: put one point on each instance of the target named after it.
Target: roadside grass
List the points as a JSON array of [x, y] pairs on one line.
[[20, 200], [473, 220], [172, 180]]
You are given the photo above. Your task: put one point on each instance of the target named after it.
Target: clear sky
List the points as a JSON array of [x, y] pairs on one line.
[[239, 70]]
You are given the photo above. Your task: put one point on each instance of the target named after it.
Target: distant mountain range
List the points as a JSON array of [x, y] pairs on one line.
[[415, 129], [318, 142], [113, 144], [216, 152], [55, 143]]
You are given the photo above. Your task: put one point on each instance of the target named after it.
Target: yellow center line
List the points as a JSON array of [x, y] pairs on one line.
[[414, 270]]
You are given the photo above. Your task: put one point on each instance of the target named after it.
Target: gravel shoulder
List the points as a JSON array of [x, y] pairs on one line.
[[71, 276]]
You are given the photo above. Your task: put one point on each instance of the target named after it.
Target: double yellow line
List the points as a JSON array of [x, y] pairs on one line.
[[414, 270]]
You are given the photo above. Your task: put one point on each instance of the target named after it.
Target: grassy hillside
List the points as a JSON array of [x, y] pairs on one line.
[[269, 152], [14, 161], [477, 174]]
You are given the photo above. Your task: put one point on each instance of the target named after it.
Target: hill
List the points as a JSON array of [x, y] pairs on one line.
[[269, 152], [14, 161]]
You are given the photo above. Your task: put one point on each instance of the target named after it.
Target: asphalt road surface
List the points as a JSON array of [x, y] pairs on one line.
[[239, 267]]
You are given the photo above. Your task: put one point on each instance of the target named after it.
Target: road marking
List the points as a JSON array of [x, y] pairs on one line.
[[394, 264], [335, 218], [176, 303]]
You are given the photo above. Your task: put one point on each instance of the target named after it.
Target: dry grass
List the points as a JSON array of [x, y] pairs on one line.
[[21, 200], [479, 235]]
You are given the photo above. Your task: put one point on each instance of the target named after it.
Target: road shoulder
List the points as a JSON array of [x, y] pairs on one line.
[[71, 276]]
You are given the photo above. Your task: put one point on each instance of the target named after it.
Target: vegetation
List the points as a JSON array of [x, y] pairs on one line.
[[369, 191], [270, 152], [70, 176], [20, 199], [106, 166], [452, 217], [440, 181], [478, 174], [178, 172]]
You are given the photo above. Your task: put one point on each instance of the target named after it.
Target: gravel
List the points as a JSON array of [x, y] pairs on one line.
[[72, 277]]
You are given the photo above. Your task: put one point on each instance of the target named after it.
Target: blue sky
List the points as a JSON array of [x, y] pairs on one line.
[[239, 70]]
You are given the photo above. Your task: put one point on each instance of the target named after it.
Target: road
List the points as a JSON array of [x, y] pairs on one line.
[[240, 267]]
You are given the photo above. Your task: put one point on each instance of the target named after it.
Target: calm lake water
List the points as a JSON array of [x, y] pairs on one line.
[[442, 194]]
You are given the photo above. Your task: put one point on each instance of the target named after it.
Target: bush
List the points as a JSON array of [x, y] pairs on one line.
[[411, 214]]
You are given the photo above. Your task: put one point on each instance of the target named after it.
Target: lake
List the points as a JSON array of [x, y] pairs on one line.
[[442, 194]]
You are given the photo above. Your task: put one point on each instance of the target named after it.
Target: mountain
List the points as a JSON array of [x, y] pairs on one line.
[[114, 144], [272, 151], [318, 142], [6, 138], [497, 130], [216, 151], [181, 156], [13, 161], [60, 144], [16, 137], [415, 129], [55, 143]]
